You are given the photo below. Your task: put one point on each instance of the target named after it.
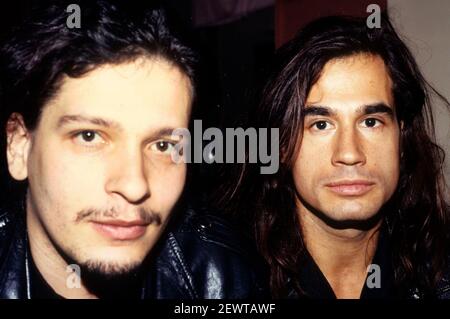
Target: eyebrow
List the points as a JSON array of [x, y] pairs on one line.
[[163, 132], [67, 119], [377, 108], [319, 110]]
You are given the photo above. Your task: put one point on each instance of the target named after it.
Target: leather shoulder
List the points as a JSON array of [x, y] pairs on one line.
[[211, 229], [443, 289], [7, 226], [216, 260], [12, 255]]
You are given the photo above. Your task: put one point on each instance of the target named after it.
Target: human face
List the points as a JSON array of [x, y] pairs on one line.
[[101, 180], [347, 166]]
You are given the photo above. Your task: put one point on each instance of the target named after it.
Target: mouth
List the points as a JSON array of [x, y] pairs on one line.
[[121, 230], [350, 187]]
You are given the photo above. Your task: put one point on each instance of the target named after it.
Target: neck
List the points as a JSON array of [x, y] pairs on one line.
[[51, 265], [342, 255]]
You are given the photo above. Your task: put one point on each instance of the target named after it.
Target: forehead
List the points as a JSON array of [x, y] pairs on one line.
[[139, 94], [353, 81]]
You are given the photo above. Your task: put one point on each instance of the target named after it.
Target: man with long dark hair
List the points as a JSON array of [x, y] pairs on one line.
[[88, 113], [357, 209]]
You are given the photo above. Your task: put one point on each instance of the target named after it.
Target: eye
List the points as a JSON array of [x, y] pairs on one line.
[[320, 125], [371, 122], [88, 138], [164, 147]]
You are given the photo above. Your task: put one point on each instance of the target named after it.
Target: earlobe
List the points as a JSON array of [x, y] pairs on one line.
[[18, 146]]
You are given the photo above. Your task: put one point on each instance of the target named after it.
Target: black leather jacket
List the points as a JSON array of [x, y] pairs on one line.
[[198, 257]]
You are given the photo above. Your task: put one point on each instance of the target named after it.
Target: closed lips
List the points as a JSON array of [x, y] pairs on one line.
[[350, 187]]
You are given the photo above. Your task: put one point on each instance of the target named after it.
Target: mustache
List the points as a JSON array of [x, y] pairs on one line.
[[146, 215]]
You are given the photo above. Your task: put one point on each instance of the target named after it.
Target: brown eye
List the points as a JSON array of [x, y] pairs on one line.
[[88, 136], [164, 147], [321, 125], [371, 122]]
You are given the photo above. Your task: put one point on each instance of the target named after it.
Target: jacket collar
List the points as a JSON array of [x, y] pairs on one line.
[[16, 280], [14, 254]]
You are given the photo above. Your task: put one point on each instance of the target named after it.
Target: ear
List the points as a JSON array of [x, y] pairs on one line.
[[18, 146]]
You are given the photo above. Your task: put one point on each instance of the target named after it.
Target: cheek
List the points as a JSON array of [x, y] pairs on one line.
[[310, 163], [60, 182], [393, 170], [303, 175], [49, 187], [166, 186], [387, 164], [46, 173]]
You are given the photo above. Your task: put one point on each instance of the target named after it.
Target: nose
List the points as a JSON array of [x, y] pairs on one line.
[[348, 148], [128, 176]]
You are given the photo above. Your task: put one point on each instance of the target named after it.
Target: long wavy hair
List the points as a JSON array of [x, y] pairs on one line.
[[417, 212]]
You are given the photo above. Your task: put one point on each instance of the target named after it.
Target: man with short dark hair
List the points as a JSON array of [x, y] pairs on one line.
[[88, 114]]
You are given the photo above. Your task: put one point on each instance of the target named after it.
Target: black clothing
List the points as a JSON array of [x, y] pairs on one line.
[[199, 256]]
